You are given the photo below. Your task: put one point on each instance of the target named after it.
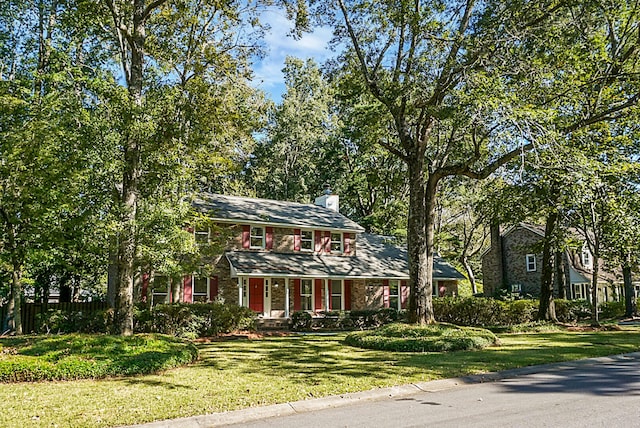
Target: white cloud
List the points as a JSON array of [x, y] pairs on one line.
[[279, 44]]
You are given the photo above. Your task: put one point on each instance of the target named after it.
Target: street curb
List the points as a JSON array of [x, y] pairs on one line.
[[285, 409]]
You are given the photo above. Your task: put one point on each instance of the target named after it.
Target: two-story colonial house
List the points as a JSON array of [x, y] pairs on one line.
[[513, 261], [286, 256]]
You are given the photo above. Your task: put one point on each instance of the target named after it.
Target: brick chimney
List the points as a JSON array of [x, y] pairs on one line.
[[328, 199]]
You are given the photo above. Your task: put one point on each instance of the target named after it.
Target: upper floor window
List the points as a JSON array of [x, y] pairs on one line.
[[587, 260], [531, 262], [257, 237], [306, 240], [336, 242], [201, 235]]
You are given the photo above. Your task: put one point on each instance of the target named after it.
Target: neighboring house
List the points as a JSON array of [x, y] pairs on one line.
[[513, 262], [286, 256]]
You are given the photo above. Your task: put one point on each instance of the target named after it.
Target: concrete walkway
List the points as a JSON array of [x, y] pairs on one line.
[[259, 413]]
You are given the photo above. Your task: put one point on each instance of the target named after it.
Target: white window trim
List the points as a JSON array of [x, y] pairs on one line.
[[331, 241], [197, 232], [252, 236], [313, 242], [528, 259], [399, 295], [193, 288], [341, 294], [588, 260], [306, 295]]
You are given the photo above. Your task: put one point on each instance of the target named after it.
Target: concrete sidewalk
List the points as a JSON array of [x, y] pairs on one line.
[[257, 413]]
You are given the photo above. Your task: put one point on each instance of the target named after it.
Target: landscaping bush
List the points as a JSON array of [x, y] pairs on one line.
[[612, 309], [468, 311], [77, 356], [191, 320], [301, 321], [57, 321], [570, 311], [432, 338], [519, 311]]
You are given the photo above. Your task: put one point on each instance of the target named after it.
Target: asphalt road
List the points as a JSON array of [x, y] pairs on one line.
[[597, 394]]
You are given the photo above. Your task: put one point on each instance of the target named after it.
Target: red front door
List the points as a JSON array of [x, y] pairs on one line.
[[256, 294]]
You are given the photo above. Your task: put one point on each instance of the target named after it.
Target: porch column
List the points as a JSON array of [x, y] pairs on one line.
[[286, 297], [327, 296], [240, 291]]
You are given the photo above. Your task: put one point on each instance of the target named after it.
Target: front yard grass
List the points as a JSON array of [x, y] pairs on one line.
[[237, 374]]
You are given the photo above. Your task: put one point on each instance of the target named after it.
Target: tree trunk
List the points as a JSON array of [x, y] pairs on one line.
[[547, 310], [123, 316], [559, 281], [594, 289], [629, 301], [15, 323], [420, 310], [472, 279]]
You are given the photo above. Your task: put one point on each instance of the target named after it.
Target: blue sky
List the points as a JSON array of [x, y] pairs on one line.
[[268, 71]]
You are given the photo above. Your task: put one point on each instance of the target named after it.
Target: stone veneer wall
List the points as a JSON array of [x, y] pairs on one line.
[[492, 264], [516, 246]]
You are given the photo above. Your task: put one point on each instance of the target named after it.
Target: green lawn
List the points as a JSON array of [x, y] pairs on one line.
[[236, 374]]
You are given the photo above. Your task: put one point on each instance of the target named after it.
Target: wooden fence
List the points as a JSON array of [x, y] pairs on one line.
[[30, 311]]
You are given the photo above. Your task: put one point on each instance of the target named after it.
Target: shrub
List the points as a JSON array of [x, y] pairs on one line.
[[301, 321], [78, 356], [191, 320], [612, 309], [57, 321], [572, 310], [468, 311], [519, 311], [432, 338]]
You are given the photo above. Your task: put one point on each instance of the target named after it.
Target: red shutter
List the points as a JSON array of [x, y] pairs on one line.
[[385, 292], [404, 294], [318, 241], [318, 295], [189, 229], [145, 287], [187, 289], [347, 294], [246, 236], [269, 233], [213, 287], [327, 241], [297, 239], [297, 291], [347, 243]]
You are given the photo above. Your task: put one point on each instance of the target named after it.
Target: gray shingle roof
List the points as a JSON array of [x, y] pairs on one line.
[[376, 258], [267, 211]]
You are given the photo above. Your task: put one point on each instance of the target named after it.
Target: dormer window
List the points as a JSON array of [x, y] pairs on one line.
[[531, 262], [336, 242], [306, 240], [257, 238]]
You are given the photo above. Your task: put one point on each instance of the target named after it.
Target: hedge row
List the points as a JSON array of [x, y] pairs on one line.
[[189, 320], [479, 311], [343, 320]]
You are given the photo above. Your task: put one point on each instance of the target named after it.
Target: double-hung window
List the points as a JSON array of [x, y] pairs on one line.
[[336, 294], [531, 262], [257, 237], [200, 289], [586, 257], [336, 242], [394, 294], [306, 240], [306, 295], [201, 235], [160, 290]]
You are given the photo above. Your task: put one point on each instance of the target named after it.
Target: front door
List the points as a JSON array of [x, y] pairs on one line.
[[256, 294]]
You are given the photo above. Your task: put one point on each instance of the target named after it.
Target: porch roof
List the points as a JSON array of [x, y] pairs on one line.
[[376, 258]]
